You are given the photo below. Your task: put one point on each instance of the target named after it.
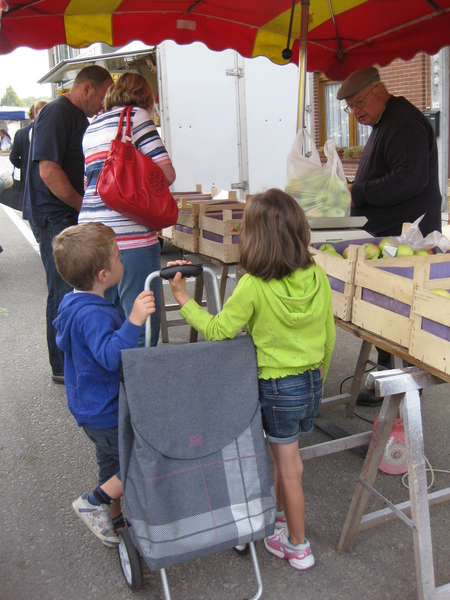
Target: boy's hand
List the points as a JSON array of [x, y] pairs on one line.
[[178, 283], [143, 306]]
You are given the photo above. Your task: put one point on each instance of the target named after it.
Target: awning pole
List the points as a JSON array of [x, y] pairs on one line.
[[302, 63]]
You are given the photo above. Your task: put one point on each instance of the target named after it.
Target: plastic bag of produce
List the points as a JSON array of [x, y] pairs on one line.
[[320, 190], [412, 237]]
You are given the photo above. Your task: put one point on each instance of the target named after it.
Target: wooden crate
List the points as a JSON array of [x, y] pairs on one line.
[[430, 336], [384, 292], [341, 275], [186, 233], [219, 226]]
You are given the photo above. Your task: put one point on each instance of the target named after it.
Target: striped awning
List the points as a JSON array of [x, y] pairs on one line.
[[343, 35]]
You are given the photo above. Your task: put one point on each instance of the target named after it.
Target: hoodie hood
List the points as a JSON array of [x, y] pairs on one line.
[[69, 310], [295, 299]]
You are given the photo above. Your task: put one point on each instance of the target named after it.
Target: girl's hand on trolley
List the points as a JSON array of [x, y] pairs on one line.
[[178, 283]]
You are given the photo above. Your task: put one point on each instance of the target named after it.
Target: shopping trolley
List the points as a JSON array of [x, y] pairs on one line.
[[193, 457]]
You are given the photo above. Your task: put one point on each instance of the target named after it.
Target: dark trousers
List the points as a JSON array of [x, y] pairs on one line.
[[57, 287]]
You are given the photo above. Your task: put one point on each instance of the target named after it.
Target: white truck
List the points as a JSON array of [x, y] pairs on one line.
[[226, 121]]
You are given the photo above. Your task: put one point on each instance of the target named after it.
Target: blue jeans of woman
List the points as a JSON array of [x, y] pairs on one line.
[[57, 287], [138, 263]]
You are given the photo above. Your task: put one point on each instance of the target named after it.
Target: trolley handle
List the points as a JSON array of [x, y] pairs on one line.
[[185, 270]]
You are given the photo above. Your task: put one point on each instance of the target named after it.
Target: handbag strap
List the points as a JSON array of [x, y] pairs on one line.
[[128, 138]]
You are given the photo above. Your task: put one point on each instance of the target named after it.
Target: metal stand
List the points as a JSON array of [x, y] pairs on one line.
[[400, 388], [259, 590]]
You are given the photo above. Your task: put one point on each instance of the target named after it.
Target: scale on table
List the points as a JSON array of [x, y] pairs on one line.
[[337, 229]]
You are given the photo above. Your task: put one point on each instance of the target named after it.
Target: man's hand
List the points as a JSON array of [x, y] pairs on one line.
[[350, 185], [59, 184], [143, 306]]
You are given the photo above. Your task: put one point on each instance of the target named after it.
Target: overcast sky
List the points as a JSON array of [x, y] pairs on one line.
[[21, 69]]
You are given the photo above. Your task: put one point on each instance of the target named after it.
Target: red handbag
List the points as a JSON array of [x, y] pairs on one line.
[[133, 185]]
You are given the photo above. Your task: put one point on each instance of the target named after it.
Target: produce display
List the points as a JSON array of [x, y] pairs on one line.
[[375, 251]]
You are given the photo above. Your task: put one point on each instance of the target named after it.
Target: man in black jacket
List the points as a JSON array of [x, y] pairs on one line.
[[397, 179]]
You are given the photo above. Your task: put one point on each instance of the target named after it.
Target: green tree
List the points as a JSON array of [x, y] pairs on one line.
[[32, 99], [11, 98]]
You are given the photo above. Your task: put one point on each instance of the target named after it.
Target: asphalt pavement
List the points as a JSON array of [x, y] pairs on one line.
[[46, 553]]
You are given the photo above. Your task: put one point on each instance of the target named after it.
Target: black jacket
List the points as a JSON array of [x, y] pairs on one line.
[[397, 179], [20, 150]]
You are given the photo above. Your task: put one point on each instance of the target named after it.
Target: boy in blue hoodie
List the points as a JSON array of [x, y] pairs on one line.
[[91, 333]]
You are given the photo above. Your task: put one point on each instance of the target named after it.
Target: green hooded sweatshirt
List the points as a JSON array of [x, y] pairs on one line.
[[290, 319]]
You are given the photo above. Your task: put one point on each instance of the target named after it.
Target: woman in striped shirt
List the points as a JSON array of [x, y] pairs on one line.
[[138, 246]]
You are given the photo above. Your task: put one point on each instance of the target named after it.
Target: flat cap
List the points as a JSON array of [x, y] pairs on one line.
[[356, 81]]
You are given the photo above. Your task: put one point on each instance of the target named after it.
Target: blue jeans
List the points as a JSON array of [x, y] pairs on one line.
[[138, 263], [106, 443], [290, 406], [56, 286]]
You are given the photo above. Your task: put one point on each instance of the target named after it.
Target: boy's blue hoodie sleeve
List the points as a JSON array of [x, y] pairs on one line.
[[104, 341]]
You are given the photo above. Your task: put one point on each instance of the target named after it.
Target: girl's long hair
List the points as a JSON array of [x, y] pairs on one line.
[[275, 236]]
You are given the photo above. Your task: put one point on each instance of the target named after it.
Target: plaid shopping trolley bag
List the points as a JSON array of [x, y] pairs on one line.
[[193, 458]]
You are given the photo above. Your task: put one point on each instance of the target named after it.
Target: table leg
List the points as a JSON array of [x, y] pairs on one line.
[[164, 328], [358, 377], [420, 513], [223, 282], [369, 471], [198, 295]]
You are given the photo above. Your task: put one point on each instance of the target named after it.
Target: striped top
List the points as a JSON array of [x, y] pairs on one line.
[[96, 144]]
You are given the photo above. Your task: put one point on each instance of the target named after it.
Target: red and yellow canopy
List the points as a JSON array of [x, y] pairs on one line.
[[349, 35]]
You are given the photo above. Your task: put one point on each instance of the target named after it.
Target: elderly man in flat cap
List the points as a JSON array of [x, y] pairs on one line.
[[397, 178]]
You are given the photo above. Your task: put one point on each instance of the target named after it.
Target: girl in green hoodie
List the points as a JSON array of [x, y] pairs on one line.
[[285, 300]]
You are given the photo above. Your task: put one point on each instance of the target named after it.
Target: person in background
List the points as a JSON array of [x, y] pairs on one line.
[[285, 299], [21, 149], [397, 179], [139, 246], [5, 140], [21, 146], [55, 181]]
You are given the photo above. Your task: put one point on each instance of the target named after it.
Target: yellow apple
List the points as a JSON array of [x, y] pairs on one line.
[[345, 253], [382, 243], [404, 250], [441, 292], [372, 251], [421, 253], [327, 248]]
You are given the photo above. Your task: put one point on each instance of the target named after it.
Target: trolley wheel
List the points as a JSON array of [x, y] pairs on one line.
[[130, 561], [242, 550]]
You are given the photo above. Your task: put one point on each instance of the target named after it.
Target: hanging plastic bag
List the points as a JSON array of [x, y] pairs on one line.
[[413, 238], [320, 190]]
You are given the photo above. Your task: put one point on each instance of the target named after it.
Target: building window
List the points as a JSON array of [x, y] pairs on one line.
[[334, 122]]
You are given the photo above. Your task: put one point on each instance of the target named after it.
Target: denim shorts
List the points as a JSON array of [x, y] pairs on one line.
[[290, 406], [106, 443]]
